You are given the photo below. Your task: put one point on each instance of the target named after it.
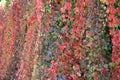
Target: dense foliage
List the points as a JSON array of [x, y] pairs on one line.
[[60, 40]]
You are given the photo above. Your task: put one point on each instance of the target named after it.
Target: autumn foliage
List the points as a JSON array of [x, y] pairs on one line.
[[60, 40]]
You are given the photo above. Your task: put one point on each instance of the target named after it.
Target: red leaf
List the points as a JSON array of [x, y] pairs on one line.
[[62, 47], [112, 10], [66, 27], [111, 1]]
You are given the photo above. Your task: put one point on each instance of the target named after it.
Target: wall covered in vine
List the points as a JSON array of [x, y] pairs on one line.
[[60, 40]]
